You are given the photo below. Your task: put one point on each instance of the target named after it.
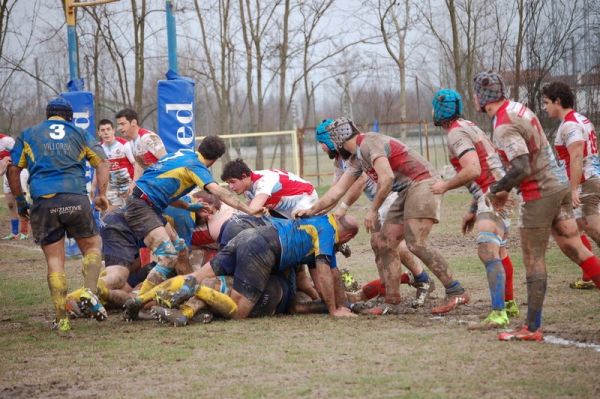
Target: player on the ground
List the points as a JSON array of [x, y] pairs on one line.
[[120, 156], [163, 183], [55, 152], [412, 215], [421, 281], [146, 146], [577, 147], [6, 145], [274, 189], [478, 166], [546, 206]]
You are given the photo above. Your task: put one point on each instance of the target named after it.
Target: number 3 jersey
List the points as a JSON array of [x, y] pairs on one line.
[[576, 127], [55, 152]]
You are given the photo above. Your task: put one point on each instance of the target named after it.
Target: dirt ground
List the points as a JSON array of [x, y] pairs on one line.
[[413, 354]]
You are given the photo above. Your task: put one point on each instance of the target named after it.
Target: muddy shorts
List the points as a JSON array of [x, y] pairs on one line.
[[64, 213], [545, 211], [589, 194], [119, 244], [415, 202], [250, 257], [277, 297], [141, 217], [238, 223]]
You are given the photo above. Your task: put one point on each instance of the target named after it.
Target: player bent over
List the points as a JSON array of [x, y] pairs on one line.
[[577, 147], [478, 166], [55, 152], [546, 206], [412, 215]]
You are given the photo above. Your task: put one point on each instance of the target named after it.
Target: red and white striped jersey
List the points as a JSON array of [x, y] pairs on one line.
[[576, 127], [119, 155], [517, 132], [284, 189], [465, 136], [6, 145], [146, 147]]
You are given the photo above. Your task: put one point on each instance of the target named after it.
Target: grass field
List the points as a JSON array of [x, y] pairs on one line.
[[407, 355]]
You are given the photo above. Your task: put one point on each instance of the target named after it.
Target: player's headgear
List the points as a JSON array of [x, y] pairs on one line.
[[447, 106], [341, 130], [322, 134], [489, 87], [59, 106]]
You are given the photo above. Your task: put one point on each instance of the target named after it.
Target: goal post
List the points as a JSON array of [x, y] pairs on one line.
[[244, 145]]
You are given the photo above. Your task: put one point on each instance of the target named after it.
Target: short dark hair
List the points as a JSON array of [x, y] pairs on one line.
[[212, 148], [236, 169], [128, 114], [559, 90], [105, 122]]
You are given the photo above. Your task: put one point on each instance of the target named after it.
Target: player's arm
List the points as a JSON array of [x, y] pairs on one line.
[[138, 171], [332, 196], [518, 171], [230, 198], [576, 169], [327, 283], [305, 284], [4, 162], [470, 170], [258, 202], [352, 195], [94, 186]]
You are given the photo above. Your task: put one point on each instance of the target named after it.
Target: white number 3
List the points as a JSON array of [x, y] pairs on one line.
[[58, 131]]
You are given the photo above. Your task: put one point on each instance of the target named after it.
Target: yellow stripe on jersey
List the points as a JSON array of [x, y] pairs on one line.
[[314, 235], [185, 177], [333, 223], [91, 156], [26, 152]]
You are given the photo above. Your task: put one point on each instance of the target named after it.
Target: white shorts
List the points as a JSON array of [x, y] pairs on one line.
[[288, 205], [24, 178]]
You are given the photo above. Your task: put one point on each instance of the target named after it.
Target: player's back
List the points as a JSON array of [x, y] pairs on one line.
[[54, 152]]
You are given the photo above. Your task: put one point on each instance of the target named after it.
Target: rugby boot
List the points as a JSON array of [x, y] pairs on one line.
[[164, 298], [73, 309], [360, 306], [522, 334], [62, 327], [496, 319], [187, 290], [21, 237], [131, 309], [9, 237], [512, 309], [204, 316], [169, 316], [452, 302], [423, 291], [219, 303], [582, 285], [350, 283], [90, 304]]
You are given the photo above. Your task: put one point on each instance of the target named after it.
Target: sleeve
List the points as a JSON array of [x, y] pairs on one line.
[[572, 133], [373, 148], [17, 154], [94, 152], [510, 141], [267, 183], [153, 143], [200, 175], [459, 143]]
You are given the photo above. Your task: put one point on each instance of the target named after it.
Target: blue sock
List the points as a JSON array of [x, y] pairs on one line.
[[454, 288], [496, 282], [14, 226], [422, 278]]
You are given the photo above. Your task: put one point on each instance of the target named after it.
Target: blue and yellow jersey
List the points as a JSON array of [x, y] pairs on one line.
[[173, 176], [300, 238], [55, 152], [182, 220]]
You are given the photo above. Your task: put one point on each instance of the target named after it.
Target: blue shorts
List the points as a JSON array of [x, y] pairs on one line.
[[119, 244]]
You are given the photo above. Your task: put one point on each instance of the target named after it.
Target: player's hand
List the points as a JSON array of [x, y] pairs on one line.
[[468, 222], [101, 203], [22, 206], [575, 198], [303, 213], [196, 206], [370, 220], [439, 187], [343, 311], [498, 200]]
